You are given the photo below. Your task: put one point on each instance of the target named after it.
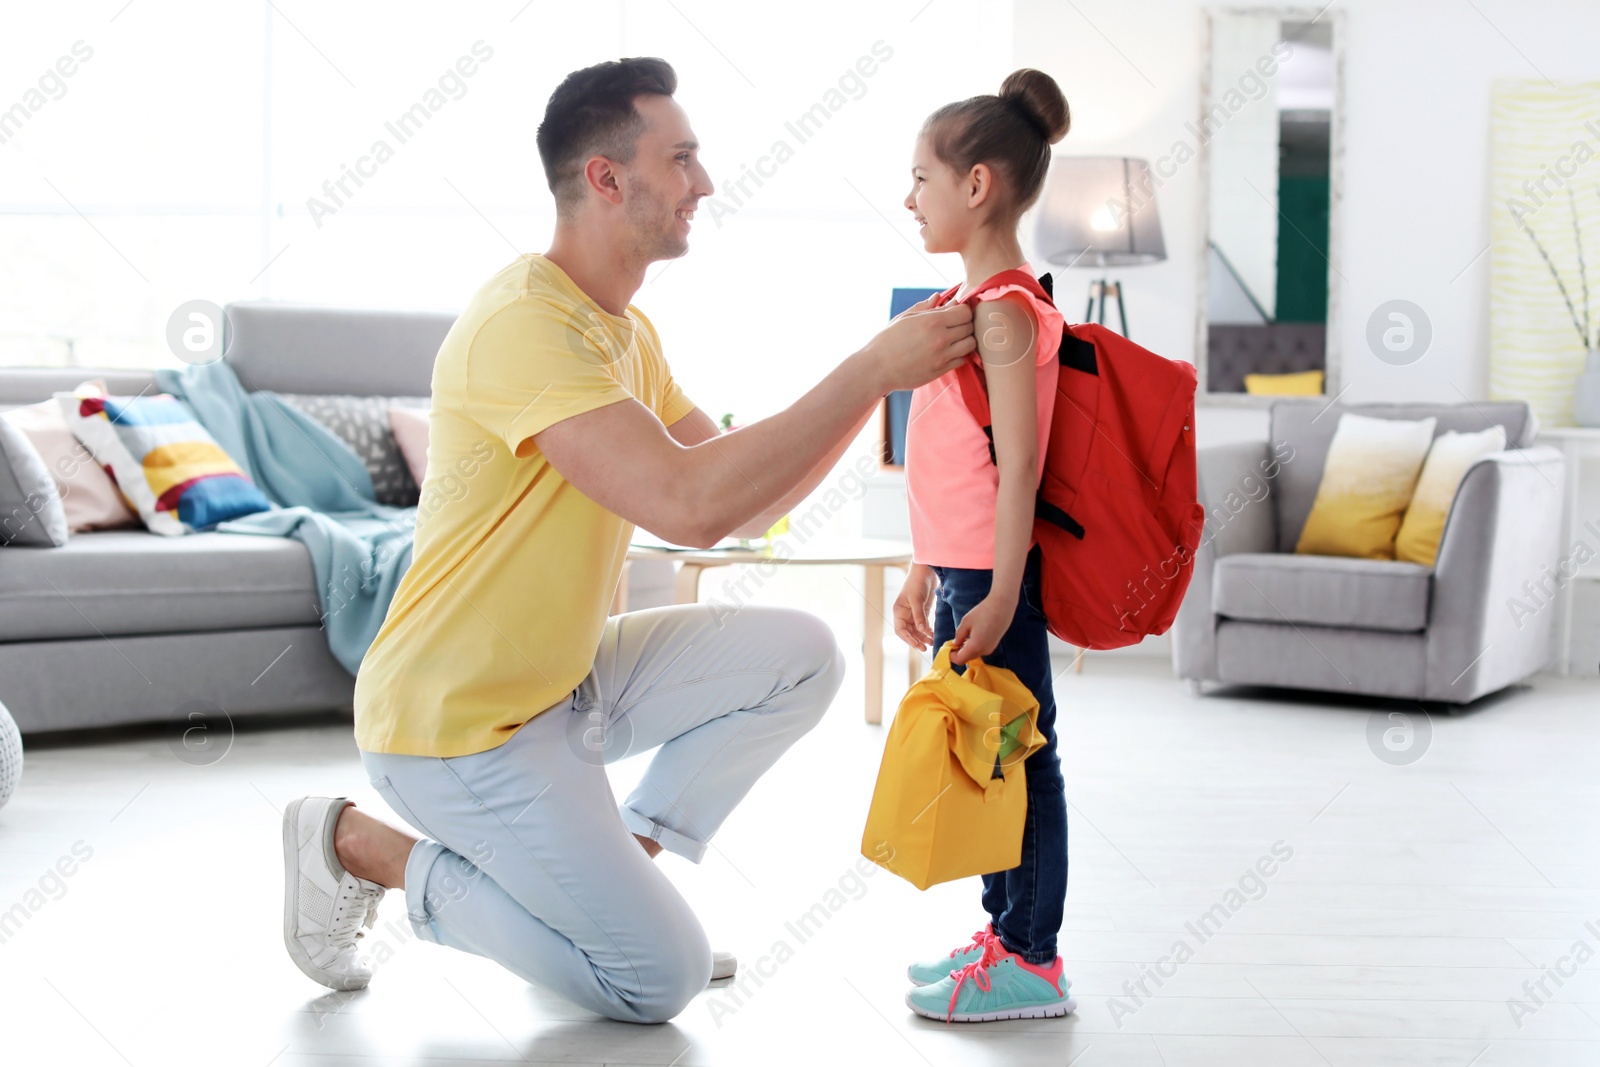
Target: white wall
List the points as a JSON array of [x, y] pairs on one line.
[[1414, 221]]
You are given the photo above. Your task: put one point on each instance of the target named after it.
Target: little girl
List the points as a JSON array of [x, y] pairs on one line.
[[977, 167]]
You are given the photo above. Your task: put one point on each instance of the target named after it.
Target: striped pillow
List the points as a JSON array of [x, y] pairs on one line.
[[174, 473]]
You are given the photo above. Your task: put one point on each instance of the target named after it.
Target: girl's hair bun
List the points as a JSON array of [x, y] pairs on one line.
[[1037, 94]]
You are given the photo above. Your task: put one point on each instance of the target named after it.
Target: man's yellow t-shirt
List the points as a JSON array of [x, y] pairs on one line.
[[513, 569]]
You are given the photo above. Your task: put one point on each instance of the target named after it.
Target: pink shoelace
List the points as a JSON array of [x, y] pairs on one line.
[[977, 970], [980, 939]]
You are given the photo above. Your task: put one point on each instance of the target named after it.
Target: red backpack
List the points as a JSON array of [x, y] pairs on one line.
[[1117, 518]]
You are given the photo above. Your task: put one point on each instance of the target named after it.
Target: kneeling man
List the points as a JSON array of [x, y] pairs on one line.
[[556, 428]]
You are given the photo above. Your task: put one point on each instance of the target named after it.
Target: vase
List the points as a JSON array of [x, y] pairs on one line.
[[1586, 394]]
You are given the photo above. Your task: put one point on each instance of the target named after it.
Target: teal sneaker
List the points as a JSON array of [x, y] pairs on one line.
[[934, 970], [998, 985]]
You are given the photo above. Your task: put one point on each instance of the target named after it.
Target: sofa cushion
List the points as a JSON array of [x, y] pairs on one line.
[[1367, 480], [89, 497], [1448, 460], [362, 422], [30, 506], [411, 429], [1306, 427], [117, 582], [1368, 594], [165, 463]]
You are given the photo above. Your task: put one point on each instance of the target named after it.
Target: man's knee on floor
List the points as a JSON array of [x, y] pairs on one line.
[[667, 986], [667, 1002]]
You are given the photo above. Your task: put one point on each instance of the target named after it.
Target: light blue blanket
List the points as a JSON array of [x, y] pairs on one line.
[[359, 548]]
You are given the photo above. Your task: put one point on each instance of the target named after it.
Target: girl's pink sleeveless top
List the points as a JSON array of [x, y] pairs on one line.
[[951, 484]]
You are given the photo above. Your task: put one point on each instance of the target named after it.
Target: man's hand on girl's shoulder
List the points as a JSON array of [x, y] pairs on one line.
[[915, 349], [925, 304]]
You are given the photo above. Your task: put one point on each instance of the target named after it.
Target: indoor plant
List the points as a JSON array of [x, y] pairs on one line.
[[1586, 390]]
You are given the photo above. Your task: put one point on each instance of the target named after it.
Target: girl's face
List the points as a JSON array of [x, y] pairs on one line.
[[939, 200]]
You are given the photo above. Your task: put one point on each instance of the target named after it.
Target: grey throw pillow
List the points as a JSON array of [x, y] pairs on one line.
[[362, 422], [30, 507]]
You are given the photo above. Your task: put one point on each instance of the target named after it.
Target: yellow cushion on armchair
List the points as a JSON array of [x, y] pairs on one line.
[[1367, 482], [1452, 453]]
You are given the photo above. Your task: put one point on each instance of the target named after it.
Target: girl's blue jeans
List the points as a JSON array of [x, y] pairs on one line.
[[1024, 903]]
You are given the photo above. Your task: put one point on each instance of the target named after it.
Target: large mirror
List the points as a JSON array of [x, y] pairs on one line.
[[1270, 131]]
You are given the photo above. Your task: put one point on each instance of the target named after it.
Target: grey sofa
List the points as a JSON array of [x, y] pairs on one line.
[[1256, 613], [123, 626]]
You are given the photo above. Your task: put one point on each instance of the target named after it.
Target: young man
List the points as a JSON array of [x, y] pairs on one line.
[[497, 688]]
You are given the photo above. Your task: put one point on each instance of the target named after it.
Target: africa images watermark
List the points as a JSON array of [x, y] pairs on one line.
[[33, 505], [51, 885], [1251, 489], [1554, 177], [1251, 886], [450, 484], [443, 891], [850, 886], [802, 128], [28, 512], [1542, 593], [200, 733], [402, 128], [1250, 87], [1558, 972], [1400, 738], [803, 525], [51, 85]]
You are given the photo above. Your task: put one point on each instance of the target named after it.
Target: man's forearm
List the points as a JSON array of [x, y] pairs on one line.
[[762, 468], [763, 521]]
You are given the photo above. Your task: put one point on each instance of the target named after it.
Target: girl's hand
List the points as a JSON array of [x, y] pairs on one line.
[[911, 607], [982, 628]]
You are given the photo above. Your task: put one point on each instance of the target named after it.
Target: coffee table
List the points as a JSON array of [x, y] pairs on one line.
[[873, 556]]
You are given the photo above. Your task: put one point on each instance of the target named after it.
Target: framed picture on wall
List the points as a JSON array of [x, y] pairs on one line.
[[896, 409]]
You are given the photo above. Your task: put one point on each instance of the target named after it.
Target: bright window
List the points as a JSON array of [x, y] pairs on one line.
[[197, 151]]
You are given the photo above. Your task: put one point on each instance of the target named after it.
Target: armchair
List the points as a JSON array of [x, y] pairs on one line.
[[1257, 613]]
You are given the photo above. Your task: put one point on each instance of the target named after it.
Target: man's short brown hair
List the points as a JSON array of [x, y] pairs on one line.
[[591, 113]]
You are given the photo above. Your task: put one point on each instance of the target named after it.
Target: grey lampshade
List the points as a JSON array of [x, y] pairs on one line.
[[1099, 211]]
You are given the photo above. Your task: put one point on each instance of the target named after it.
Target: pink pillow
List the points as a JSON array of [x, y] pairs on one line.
[[88, 494], [410, 426]]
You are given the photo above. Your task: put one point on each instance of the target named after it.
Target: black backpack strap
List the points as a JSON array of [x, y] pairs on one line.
[[1043, 509], [1078, 354]]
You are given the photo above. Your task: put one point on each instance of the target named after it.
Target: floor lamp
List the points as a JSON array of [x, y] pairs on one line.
[[1100, 211]]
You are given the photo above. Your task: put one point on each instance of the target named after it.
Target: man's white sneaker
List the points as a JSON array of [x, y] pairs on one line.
[[325, 907], [723, 965]]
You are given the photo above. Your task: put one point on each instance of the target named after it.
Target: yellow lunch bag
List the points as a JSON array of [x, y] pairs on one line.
[[938, 811]]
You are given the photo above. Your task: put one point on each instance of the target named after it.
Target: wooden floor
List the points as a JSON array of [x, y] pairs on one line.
[[1436, 911]]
